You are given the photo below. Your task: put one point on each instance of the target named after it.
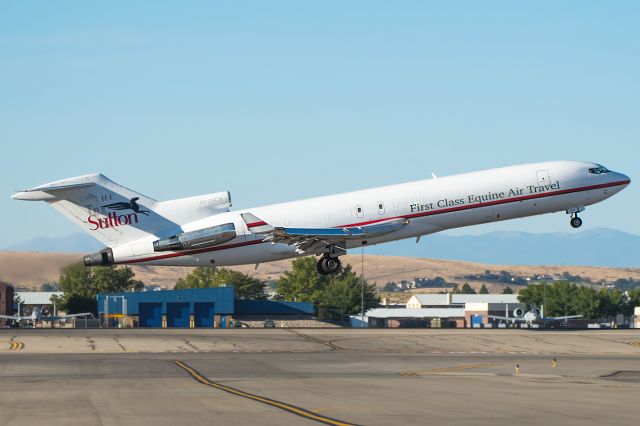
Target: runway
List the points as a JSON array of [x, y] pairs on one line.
[[368, 377]]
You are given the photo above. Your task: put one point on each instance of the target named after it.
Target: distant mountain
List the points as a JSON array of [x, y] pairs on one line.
[[74, 243], [594, 247]]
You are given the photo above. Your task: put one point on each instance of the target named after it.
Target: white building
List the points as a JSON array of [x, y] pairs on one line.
[[31, 299], [455, 300], [402, 317], [466, 310]]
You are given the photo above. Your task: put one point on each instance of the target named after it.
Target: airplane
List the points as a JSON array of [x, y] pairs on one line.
[[202, 230], [529, 317], [37, 315]]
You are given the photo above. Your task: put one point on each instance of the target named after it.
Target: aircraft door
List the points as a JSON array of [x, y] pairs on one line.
[[359, 211], [543, 177]]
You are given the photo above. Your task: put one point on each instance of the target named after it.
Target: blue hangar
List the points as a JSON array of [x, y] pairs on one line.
[[191, 308]]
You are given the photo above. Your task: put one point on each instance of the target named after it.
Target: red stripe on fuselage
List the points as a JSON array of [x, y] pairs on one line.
[[202, 250], [409, 216], [490, 203]]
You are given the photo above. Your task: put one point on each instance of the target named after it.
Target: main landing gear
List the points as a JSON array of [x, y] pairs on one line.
[[328, 265], [575, 221]]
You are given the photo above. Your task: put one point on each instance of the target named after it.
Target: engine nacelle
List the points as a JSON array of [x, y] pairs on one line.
[[536, 312], [205, 237], [518, 312], [101, 258]]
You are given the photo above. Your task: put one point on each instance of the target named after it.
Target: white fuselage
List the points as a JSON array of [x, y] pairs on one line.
[[429, 206]]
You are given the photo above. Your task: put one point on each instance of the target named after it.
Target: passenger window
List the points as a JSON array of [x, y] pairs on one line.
[[359, 211], [380, 207]]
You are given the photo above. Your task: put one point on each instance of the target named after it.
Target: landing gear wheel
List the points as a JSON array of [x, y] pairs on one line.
[[575, 222], [328, 265]]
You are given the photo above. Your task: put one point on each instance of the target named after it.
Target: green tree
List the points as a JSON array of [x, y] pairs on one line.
[[532, 295], [333, 295], [633, 300], [466, 289], [344, 293], [483, 290], [507, 290], [586, 302], [302, 283], [389, 287], [612, 302], [81, 285], [556, 298], [564, 298], [245, 287], [561, 301]]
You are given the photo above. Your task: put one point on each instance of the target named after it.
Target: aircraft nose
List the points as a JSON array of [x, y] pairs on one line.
[[622, 178]]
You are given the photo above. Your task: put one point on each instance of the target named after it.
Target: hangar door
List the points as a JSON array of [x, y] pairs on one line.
[[203, 314], [150, 314], [178, 315]]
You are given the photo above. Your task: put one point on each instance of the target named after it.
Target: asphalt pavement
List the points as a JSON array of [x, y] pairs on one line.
[[372, 377]]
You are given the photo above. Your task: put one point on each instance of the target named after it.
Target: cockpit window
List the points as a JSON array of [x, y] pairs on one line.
[[598, 170]]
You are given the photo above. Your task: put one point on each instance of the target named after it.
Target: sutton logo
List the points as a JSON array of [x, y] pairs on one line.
[[114, 219]]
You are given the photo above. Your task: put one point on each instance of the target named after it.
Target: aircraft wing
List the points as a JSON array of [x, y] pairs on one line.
[[306, 238], [504, 318], [15, 318], [566, 317], [62, 317]]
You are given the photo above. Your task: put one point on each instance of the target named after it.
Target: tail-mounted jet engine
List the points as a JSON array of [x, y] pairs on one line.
[[101, 258], [206, 237]]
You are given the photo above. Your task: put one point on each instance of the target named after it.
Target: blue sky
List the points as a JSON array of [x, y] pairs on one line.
[[276, 101]]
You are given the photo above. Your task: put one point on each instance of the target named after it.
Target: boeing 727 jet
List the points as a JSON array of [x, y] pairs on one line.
[[202, 230]]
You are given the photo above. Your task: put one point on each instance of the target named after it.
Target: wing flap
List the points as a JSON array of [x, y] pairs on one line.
[[306, 238]]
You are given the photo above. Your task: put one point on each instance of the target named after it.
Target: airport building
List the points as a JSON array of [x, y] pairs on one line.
[[445, 310], [456, 300], [193, 308], [27, 301]]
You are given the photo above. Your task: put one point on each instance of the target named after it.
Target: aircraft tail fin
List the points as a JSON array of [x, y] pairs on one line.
[[116, 215], [107, 211]]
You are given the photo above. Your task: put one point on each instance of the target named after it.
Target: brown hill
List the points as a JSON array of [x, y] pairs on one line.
[[30, 270]]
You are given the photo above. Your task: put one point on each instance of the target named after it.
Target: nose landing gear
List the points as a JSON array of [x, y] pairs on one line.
[[575, 221], [328, 265]]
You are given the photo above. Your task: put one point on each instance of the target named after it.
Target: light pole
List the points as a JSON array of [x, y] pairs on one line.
[[362, 290]]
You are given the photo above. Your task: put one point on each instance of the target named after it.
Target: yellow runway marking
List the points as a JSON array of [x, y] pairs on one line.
[[635, 343], [446, 369], [281, 405], [16, 346], [313, 339]]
